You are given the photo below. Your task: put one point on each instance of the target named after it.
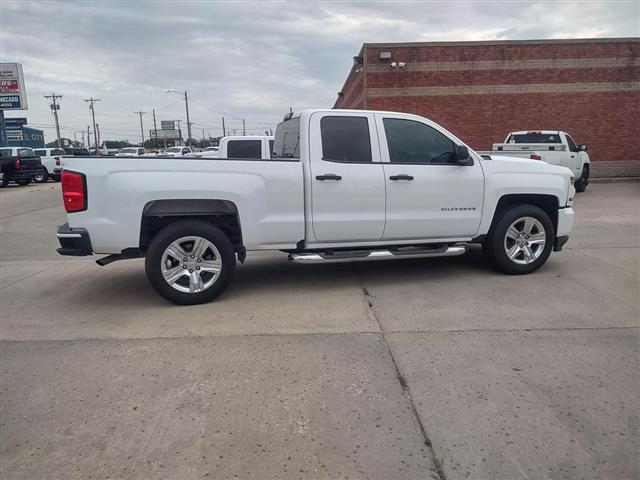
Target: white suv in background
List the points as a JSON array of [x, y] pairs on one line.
[[51, 159]]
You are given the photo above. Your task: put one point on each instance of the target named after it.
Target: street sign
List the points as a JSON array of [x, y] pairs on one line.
[[14, 123], [13, 95], [167, 125]]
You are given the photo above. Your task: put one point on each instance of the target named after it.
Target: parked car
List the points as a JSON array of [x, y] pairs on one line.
[[18, 164], [130, 152], [551, 146], [343, 185], [176, 152], [51, 159], [77, 151]]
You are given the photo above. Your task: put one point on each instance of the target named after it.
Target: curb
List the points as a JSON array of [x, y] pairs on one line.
[[614, 179]]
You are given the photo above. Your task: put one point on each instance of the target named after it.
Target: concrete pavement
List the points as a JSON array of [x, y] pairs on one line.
[[411, 369]]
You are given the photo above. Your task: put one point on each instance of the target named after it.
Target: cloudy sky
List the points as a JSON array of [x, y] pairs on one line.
[[243, 59]]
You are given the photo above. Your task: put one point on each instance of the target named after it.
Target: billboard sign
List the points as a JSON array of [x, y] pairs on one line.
[[164, 134], [13, 95], [167, 125]]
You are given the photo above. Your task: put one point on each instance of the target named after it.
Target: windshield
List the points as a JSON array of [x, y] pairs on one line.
[[25, 152], [128, 150], [174, 150], [534, 137], [287, 139]]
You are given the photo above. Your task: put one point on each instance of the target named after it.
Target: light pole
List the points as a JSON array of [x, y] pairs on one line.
[[186, 106]]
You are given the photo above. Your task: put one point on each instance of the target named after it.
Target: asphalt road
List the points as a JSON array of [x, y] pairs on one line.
[[437, 368]]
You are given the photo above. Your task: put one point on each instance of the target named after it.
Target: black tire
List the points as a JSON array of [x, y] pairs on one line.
[[494, 246], [583, 181], [175, 231], [42, 176], [55, 178], [23, 182], [4, 181]]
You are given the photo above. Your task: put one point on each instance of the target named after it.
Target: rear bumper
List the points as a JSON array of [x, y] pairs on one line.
[[73, 241], [25, 173]]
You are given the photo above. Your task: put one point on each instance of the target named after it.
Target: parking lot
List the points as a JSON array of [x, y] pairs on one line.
[[436, 368]]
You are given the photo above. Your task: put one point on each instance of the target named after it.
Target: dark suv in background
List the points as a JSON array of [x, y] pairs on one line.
[[18, 164]]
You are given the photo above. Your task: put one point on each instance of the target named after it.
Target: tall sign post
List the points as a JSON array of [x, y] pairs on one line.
[[13, 95]]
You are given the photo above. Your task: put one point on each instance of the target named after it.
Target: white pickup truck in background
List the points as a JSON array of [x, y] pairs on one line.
[[343, 185], [246, 146], [551, 146]]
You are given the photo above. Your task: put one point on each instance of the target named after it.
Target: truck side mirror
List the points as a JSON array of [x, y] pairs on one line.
[[462, 156], [583, 147]]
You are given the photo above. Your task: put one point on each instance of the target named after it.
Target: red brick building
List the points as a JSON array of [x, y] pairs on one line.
[[482, 90]]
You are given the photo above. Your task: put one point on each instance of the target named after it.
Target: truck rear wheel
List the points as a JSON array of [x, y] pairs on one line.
[[583, 181], [190, 262], [521, 240], [42, 176]]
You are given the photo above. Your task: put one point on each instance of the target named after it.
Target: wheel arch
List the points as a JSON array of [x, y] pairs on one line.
[[224, 214], [548, 203]]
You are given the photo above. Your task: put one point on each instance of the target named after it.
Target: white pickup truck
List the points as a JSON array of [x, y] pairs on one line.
[[551, 146], [342, 185]]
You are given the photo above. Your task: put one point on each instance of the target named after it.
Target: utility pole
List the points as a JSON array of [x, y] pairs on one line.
[[244, 130], [155, 129], [141, 127], [91, 101], [83, 144], [55, 107], [186, 104], [224, 130], [99, 137], [179, 132], [88, 140]]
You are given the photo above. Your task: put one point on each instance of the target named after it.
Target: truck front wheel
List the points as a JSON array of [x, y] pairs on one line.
[[583, 181], [190, 262], [521, 241]]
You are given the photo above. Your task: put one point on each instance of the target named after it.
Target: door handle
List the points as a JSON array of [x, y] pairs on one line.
[[328, 176], [401, 177]]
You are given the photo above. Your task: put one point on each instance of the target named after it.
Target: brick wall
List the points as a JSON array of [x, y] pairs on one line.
[[482, 90]]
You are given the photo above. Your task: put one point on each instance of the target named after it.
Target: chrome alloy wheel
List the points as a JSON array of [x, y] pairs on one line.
[[191, 264], [525, 240]]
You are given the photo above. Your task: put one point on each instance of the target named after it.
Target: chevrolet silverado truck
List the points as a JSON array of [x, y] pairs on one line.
[[551, 146], [343, 185]]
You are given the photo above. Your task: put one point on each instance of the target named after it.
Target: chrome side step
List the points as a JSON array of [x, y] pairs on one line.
[[370, 255]]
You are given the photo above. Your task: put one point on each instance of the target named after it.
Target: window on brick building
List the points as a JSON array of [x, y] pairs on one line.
[[414, 142]]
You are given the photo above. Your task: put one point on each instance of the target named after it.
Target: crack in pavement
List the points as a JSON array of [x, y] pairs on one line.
[[402, 380]]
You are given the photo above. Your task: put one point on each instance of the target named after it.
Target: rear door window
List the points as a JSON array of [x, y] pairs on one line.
[[40, 153], [345, 139], [244, 149], [57, 151]]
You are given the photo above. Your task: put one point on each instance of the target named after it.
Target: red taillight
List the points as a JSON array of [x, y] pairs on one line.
[[74, 192], [535, 157], [57, 161], [16, 161]]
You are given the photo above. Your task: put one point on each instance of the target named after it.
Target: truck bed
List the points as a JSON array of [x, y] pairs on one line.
[[268, 194]]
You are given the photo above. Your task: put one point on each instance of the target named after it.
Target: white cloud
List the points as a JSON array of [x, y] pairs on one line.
[[248, 59]]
